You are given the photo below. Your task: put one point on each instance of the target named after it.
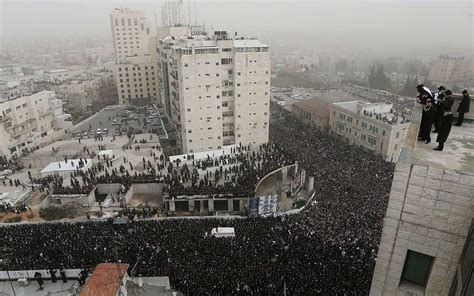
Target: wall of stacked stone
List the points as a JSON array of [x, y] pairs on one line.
[[429, 211]]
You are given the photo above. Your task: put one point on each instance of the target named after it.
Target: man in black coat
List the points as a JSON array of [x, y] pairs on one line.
[[429, 115], [463, 107], [424, 95], [39, 279], [446, 121]]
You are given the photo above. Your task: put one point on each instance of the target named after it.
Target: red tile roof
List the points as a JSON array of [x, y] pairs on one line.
[[105, 280]]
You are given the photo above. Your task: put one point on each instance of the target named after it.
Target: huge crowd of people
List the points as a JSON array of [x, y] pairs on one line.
[[328, 248]]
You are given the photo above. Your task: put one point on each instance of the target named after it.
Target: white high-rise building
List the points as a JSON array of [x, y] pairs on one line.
[[172, 13], [131, 32], [216, 90], [136, 68]]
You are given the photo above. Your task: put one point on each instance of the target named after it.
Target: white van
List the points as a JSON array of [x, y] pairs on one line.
[[223, 232]]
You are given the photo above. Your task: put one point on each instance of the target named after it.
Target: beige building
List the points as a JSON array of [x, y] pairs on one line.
[[130, 32], [374, 126], [172, 13], [450, 71], [216, 90], [136, 67], [29, 120], [427, 240], [315, 111], [137, 79]]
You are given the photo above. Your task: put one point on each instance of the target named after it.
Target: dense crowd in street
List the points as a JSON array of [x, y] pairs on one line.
[[328, 248]]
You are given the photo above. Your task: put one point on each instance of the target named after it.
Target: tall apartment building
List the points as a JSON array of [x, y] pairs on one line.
[[131, 32], [137, 80], [26, 120], [135, 70], [216, 90], [374, 126], [450, 71], [172, 13]]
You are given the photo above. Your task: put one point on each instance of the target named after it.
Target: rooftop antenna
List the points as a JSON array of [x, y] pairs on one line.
[[189, 13], [195, 13]]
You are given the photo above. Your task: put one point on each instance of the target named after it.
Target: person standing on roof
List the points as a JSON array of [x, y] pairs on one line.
[[463, 107]]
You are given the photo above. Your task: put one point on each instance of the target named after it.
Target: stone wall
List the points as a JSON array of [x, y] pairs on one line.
[[430, 212]]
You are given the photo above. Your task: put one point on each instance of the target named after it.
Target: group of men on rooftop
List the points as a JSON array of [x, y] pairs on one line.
[[437, 111]]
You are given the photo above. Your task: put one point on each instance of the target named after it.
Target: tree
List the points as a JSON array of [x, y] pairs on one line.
[[409, 89], [378, 79], [341, 65]]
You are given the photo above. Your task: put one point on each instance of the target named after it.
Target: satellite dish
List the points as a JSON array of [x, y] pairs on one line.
[[123, 290], [140, 282]]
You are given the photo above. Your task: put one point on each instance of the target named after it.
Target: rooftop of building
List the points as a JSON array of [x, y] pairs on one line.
[[211, 40], [56, 71], [319, 102], [458, 152], [63, 166], [23, 92], [105, 280], [378, 111]]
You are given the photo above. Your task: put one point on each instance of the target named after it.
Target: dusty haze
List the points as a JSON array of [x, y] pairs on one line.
[[381, 27]]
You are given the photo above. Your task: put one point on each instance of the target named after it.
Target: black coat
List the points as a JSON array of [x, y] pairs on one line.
[[445, 128], [464, 104], [427, 119]]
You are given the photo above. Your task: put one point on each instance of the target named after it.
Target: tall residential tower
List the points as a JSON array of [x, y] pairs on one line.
[[216, 90], [135, 70]]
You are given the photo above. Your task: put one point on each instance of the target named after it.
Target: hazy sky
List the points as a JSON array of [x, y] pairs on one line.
[[382, 25]]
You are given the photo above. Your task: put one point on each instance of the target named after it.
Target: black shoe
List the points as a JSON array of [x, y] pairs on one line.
[[427, 141], [438, 149]]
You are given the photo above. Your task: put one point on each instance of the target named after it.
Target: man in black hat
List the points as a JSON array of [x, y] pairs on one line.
[[424, 94], [446, 121], [440, 106], [53, 275], [436, 95], [39, 279], [463, 107], [63, 275], [429, 115]]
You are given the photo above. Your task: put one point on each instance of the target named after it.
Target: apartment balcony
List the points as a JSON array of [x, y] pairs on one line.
[[5, 118], [17, 133]]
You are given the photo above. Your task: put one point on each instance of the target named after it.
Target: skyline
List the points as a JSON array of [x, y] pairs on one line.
[[320, 24]]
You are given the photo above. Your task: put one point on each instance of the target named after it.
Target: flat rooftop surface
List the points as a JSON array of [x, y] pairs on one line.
[[458, 153], [70, 165], [58, 289]]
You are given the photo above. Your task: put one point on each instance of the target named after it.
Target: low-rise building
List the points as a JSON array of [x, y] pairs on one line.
[[27, 121], [374, 126], [315, 111]]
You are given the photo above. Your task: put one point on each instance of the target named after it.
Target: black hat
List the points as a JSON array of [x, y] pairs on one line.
[[441, 88], [464, 91], [448, 92]]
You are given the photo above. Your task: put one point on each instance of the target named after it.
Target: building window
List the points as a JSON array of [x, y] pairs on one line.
[[417, 268]]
